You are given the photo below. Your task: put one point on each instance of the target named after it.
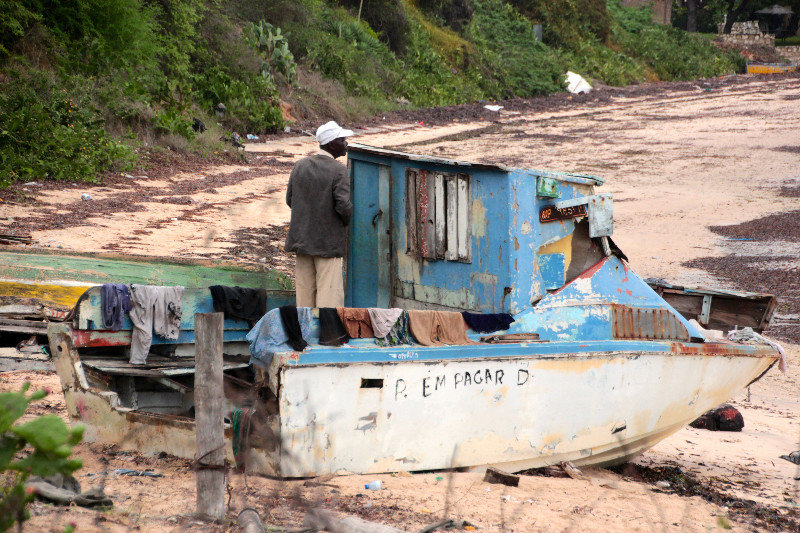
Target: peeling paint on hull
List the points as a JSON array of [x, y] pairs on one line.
[[526, 411], [596, 408]]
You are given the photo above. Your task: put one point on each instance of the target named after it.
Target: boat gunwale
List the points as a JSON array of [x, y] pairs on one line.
[[557, 350]]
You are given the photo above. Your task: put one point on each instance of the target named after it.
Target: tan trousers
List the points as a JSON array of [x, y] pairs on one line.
[[318, 281]]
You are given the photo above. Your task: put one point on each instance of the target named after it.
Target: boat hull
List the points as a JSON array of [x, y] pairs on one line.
[[520, 410], [517, 413]]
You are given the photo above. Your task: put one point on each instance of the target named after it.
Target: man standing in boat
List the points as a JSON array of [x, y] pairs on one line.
[[319, 196]]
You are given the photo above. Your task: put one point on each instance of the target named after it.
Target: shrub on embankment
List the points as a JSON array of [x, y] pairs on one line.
[[85, 85]]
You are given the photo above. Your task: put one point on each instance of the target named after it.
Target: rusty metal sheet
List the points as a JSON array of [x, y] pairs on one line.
[[645, 323], [551, 213]]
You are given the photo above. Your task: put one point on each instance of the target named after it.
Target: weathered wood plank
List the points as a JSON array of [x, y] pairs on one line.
[[249, 521], [209, 402], [41, 266], [412, 240], [430, 217], [451, 192], [423, 209], [99, 338], [23, 329], [495, 475], [464, 231], [440, 218], [53, 294]]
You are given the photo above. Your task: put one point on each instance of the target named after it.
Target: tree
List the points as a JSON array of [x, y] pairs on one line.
[[691, 15]]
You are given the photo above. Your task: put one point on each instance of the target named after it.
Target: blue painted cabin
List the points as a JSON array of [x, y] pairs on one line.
[[433, 233]]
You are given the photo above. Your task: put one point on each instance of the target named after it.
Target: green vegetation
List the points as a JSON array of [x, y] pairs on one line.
[[788, 41], [46, 443], [87, 85]]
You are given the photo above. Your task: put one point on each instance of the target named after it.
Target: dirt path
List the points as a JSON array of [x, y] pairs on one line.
[[680, 159]]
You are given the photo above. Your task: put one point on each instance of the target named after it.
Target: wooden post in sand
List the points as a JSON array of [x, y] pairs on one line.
[[208, 405]]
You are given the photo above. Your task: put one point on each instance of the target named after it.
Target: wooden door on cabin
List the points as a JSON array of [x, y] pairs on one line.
[[370, 248]]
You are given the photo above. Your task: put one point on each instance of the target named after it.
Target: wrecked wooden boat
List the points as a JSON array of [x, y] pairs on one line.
[[596, 368], [718, 309], [40, 286]]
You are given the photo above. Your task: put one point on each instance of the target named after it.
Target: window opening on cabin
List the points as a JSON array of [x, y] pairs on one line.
[[438, 221]]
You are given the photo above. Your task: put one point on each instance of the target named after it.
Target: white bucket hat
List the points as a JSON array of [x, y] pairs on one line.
[[331, 131]]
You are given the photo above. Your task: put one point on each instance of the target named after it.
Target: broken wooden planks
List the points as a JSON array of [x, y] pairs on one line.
[[495, 475]]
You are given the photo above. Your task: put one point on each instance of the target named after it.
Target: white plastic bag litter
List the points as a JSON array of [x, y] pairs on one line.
[[576, 84]]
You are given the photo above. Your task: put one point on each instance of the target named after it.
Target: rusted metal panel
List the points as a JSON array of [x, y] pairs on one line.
[[645, 323], [551, 213], [771, 68]]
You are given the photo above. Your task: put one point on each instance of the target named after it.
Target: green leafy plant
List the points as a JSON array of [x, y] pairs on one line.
[[172, 121], [274, 47], [518, 63], [47, 131], [40, 447], [670, 53]]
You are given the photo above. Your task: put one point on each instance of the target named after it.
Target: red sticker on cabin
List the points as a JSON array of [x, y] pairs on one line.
[[552, 213]]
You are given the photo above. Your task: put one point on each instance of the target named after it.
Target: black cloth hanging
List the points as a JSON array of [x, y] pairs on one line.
[[487, 323], [239, 302], [291, 325], [115, 300], [331, 329]]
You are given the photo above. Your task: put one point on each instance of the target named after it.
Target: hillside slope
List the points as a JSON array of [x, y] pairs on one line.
[[89, 86]]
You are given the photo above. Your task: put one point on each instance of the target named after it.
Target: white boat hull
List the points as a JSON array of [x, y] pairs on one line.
[[591, 409], [526, 411]]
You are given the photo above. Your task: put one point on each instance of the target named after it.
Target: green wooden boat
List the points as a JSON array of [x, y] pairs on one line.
[[40, 285]]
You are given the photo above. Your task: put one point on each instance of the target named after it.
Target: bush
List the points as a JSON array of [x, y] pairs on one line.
[[592, 59], [388, 18], [15, 19], [519, 65], [437, 75], [351, 53], [568, 22], [76, 73], [455, 14], [672, 54], [47, 131], [48, 443]]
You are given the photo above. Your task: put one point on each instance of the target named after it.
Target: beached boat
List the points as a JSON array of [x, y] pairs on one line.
[[771, 68], [596, 367]]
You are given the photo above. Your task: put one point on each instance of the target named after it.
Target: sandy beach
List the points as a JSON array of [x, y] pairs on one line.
[[705, 182]]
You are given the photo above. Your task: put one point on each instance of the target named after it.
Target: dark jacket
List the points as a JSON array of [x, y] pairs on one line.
[[319, 195]]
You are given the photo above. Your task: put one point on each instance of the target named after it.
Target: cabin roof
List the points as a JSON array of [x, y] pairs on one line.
[[561, 176]]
